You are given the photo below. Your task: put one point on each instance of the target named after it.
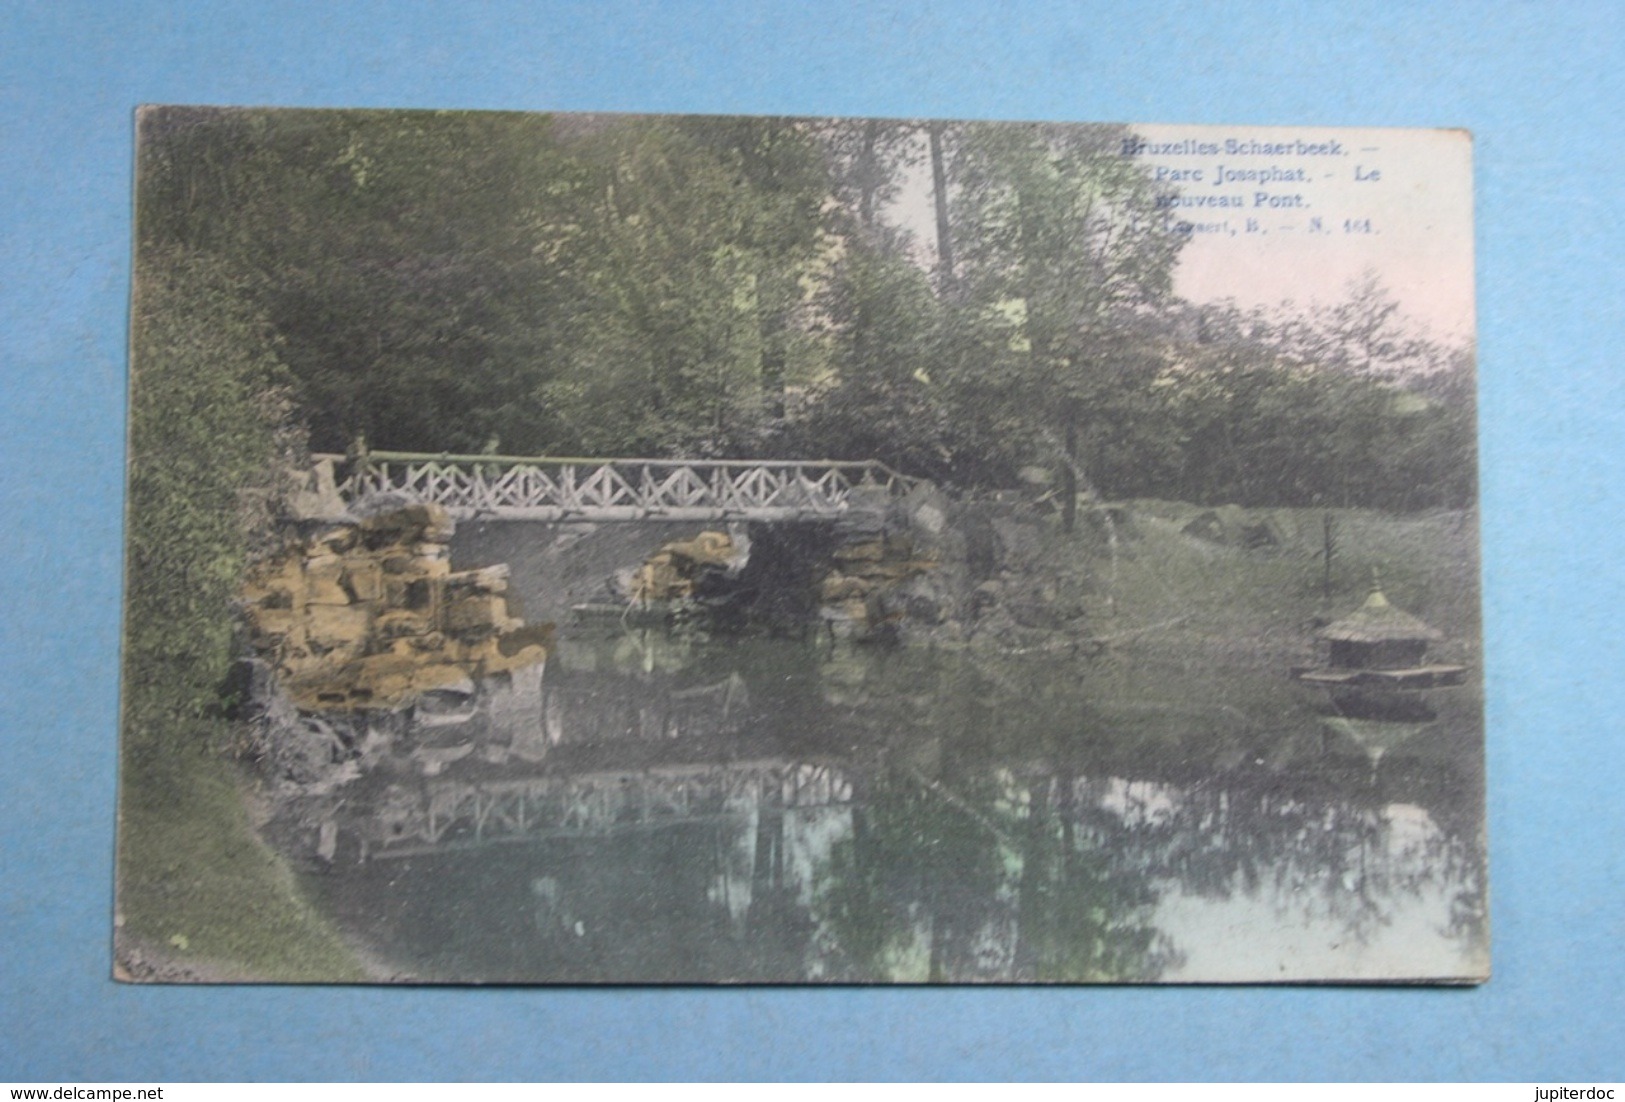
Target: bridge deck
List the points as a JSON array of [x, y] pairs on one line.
[[547, 488]]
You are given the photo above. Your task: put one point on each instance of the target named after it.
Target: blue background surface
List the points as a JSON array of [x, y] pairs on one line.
[[1540, 86]]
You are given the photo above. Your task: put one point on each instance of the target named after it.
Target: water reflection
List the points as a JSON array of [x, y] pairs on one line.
[[656, 809]]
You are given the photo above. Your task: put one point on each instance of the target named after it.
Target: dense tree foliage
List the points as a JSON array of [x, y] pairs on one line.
[[453, 281], [209, 433]]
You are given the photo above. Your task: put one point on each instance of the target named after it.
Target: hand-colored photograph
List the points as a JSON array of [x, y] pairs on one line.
[[636, 549]]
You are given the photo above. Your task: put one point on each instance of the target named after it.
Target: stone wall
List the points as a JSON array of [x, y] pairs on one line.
[[359, 614]]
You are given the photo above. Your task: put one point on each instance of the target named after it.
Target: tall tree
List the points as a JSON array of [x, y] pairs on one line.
[[689, 244], [1059, 258], [385, 248], [784, 185], [939, 200], [883, 326], [868, 163]]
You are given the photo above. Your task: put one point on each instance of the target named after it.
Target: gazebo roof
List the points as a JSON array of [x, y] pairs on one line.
[[1377, 621]]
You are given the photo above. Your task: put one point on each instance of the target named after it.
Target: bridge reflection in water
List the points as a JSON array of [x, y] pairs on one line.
[[452, 814], [762, 811]]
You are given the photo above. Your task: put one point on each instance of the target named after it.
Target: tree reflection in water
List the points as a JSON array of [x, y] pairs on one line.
[[863, 816]]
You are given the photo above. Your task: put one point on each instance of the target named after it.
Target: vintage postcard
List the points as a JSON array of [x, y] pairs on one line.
[[655, 549]]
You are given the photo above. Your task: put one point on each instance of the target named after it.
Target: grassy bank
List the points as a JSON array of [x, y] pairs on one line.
[[200, 896], [1202, 633]]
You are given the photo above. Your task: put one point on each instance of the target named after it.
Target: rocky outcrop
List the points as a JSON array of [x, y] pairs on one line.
[[676, 570], [368, 614], [878, 571], [934, 570]]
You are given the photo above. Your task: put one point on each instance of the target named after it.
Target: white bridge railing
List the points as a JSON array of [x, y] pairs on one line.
[[545, 488]]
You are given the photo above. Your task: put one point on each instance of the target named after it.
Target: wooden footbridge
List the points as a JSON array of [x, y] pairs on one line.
[[554, 489]]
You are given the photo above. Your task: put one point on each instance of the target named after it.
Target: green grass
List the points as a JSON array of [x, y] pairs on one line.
[[203, 894], [1203, 634]]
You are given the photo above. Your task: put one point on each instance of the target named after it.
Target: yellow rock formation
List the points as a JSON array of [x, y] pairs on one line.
[[369, 614], [672, 571]]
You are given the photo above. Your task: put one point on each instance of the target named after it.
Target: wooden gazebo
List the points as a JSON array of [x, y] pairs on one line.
[[1379, 646]]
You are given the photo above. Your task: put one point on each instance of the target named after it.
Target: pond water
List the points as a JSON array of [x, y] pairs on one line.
[[662, 807]]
